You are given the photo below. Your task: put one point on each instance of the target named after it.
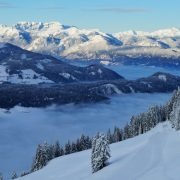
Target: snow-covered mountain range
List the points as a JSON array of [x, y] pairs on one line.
[[74, 43]]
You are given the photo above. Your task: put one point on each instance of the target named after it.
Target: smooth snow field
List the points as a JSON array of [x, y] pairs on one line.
[[152, 156], [21, 129]]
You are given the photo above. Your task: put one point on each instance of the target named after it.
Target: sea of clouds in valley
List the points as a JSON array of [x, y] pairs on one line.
[[21, 129]]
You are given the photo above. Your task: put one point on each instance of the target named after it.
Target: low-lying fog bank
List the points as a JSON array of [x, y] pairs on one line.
[[21, 129]]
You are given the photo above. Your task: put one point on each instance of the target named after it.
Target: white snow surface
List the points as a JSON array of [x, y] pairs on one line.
[[28, 76], [154, 155], [111, 88], [62, 123], [72, 42], [162, 77], [67, 76]]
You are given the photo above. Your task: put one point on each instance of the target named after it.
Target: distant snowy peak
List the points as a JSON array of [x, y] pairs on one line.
[[39, 26], [172, 32], [73, 43]]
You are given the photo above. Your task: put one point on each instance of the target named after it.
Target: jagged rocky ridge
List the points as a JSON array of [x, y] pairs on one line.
[[73, 43]]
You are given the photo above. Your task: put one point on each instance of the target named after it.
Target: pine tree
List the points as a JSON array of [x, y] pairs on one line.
[[83, 142], [78, 145], [49, 150], [62, 152], [57, 149], [100, 152], [68, 148], [175, 114], [117, 136], [110, 137], [14, 176], [41, 158], [88, 142], [73, 148], [169, 106], [126, 132]]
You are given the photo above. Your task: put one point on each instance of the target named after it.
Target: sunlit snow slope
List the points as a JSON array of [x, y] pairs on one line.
[[154, 155]]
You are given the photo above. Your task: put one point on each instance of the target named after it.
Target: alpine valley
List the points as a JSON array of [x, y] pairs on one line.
[[59, 82], [35, 80]]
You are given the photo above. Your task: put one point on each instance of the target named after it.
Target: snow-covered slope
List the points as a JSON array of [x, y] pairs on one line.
[[74, 43], [154, 155]]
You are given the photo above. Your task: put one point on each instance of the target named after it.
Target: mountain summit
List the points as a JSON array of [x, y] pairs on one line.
[[74, 43]]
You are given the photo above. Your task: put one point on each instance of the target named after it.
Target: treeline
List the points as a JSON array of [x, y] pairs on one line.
[[46, 152], [138, 125]]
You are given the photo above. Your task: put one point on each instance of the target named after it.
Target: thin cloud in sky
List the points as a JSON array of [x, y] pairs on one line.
[[121, 10], [4, 5], [51, 8]]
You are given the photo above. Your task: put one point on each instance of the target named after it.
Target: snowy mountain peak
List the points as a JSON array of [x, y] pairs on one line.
[[172, 32], [38, 26], [73, 43]]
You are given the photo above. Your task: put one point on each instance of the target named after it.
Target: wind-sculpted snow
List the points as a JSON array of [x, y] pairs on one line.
[[154, 155], [74, 43]]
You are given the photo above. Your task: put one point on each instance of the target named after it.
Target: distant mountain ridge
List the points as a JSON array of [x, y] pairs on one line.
[[19, 66], [35, 80], [71, 42]]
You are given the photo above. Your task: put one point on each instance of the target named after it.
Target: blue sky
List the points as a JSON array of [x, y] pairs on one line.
[[106, 15]]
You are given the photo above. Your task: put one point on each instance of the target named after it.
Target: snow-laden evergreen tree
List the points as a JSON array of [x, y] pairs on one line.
[[88, 142], [100, 152], [127, 132], [175, 114], [78, 145], [83, 142], [57, 149], [62, 151], [110, 136], [67, 148], [73, 147], [14, 176], [117, 136], [169, 105], [1, 176], [50, 151], [41, 158]]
